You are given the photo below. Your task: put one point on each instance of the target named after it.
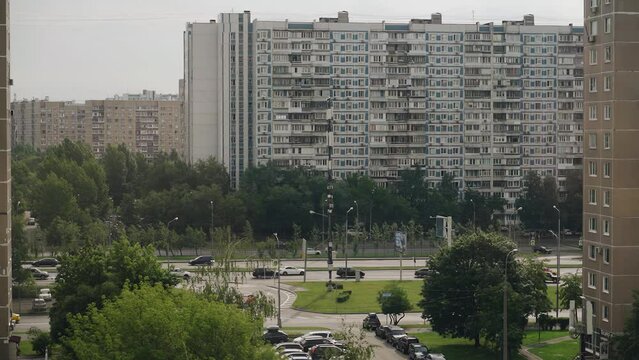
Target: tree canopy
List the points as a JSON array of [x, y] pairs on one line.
[[394, 302]]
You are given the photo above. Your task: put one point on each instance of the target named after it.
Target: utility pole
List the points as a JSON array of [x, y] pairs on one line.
[[329, 189], [211, 231], [558, 258], [277, 273], [505, 315]]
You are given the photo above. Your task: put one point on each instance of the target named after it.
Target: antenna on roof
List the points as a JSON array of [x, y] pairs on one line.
[[473, 15]]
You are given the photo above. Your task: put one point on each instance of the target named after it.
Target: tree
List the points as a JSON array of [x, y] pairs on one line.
[[356, 345], [539, 196], [159, 323], [473, 307], [93, 274], [627, 345], [570, 290], [394, 302], [52, 198]]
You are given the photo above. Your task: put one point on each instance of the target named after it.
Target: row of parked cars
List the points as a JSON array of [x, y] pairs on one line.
[[267, 273], [399, 339], [315, 345]]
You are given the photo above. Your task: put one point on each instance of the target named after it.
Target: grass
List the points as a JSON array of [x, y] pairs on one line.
[[560, 351], [552, 295], [363, 299], [534, 337], [26, 347], [457, 348]]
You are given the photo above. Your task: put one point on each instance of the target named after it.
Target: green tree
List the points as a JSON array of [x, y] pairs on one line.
[[539, 196], [394, 302], [63, 235], [473, 307], [572, 203], [52, 198], [570, 290], [94, 274], [356, 345], [626, 346], [158, 323]]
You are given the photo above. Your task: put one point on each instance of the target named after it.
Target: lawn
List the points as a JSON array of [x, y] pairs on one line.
[[533, 337], [457, 348], [363, 299], [564, 350]]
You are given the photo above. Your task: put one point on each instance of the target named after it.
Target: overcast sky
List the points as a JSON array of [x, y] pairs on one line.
[[90, 49]]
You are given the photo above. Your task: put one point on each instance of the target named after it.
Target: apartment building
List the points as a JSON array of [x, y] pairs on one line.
[[145, 123], [483, 102], [611, 181]]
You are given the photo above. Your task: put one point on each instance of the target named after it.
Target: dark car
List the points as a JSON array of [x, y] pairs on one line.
[[540, 249], [263, 273], [46, 262], [393, 334], [371, 322], [403, 343], [274, 335], [202, 260], [38, 274], [310, 341], [417, 351], [380, 332], [423, 272], [350, 272], [325, 351]]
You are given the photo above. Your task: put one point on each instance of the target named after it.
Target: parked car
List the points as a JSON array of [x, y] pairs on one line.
[[310, 341], [423, 272], [291, 270], [417, 351], [393, 334], [311, 251], [371, 322], [45, 262], [15, 317], [380, 332], [39, 305], [263, 273], [274, 335], [403, 343], [288, 345], [45, 294], [323, 333], [540, 249], [325, 351], [177, 272], [299, 355], [433, 356], [551, 276], [38, 274], [31, 221], [202, 260], [350, 272]]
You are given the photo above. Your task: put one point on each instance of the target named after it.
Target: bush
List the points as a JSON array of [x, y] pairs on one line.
[[563, 323], [337, 286], [343, 296], [26, 290], [40, 340]]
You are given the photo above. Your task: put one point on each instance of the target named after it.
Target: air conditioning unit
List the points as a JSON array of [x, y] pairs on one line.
[[592, 38]]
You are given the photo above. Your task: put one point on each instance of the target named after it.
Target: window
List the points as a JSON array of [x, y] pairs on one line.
[[606, 171], [592, 168], [607, 112], [592, 280], [594, 3], [592, 198], [592, 141], [593, 56], [593, 112], [606, 198], [607, 83], [606, 141], [605, 284], [594, 28], [606, 255], [592, 225], [604, 313], [593, 84], [592, 252], [608, 25], [606, 227], [608, 54]]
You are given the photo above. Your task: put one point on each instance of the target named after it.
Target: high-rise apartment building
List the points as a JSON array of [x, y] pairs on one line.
[[483, 102], [142, 124], [611, 170]]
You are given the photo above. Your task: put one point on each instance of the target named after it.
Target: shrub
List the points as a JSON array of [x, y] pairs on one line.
[[40, 340], [343, 296], [563, 323]]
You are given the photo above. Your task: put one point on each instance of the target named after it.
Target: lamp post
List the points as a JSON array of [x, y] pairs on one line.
[[168, 239], [346, 242], [558, 236], [312, 212], [505, 316], [356, 213], [277, 273], [211, 231], [513, 223], [474, 227]]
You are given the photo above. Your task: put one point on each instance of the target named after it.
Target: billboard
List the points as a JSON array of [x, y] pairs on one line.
[[400, 241]]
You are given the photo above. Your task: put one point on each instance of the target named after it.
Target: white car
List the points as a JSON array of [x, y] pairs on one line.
[[323, 333], [45, 294], [311, 251], [177, 272], [291, 270]]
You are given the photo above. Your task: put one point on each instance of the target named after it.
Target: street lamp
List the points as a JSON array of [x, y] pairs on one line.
[[505, 316], [346, 242], [168, 239], [356, 213], [558, 236], [474, 227], [277, 272]]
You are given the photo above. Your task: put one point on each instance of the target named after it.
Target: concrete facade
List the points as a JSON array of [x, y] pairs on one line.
[[611, 165], [143, 125], [483, 102]]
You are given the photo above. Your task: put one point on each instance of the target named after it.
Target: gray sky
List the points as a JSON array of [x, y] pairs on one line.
[[90, 49]]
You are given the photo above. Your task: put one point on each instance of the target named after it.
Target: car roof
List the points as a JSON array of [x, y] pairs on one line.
[[313, 337]]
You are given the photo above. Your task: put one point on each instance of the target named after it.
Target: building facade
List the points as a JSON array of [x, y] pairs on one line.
[[611, 165], [483, 102], [144, 125]]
